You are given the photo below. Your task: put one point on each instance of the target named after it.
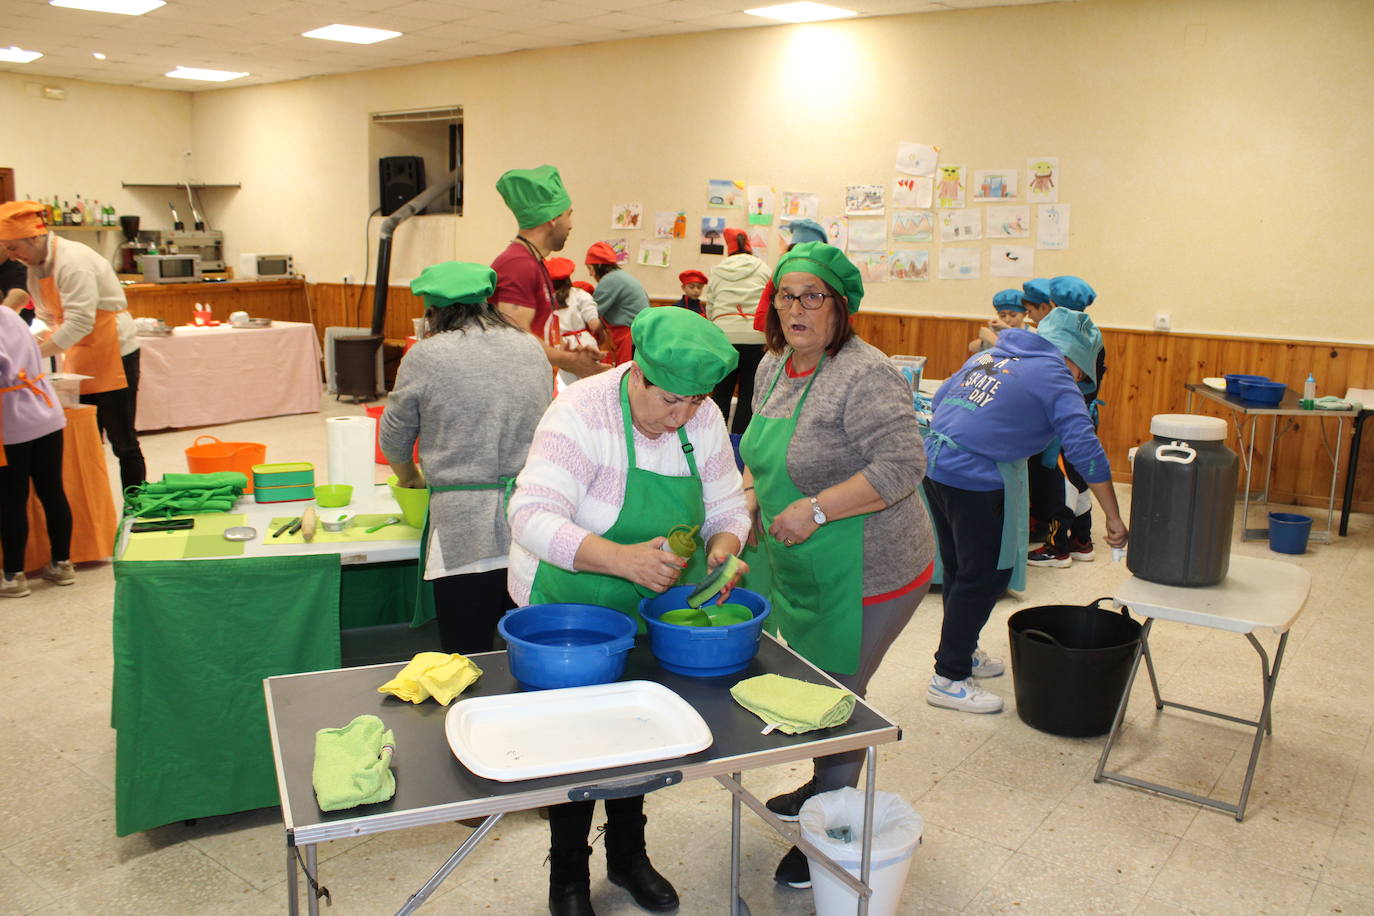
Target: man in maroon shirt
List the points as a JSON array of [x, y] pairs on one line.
[[524, 290]]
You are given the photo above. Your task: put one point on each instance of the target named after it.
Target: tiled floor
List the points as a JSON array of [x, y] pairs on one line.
[[1014, 822]]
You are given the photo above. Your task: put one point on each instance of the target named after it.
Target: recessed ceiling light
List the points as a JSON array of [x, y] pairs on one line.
[[805, 11], [199, 73], [13, 55], [97, 55], [122, 7], [353, 34]]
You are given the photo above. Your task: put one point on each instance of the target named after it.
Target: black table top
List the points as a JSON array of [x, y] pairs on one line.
[[432, 786]]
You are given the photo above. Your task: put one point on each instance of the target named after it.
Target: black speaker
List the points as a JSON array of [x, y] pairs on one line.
[[399, 178]]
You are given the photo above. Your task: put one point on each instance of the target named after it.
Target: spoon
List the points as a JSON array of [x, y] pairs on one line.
[[391, 521]]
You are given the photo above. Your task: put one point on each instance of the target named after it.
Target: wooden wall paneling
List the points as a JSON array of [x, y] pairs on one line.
[[174, 303]]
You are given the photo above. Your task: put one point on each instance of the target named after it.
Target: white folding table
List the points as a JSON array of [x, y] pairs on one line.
[[1256, 595]]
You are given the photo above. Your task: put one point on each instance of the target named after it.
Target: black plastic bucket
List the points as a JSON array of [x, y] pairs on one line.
[[1070, 665]]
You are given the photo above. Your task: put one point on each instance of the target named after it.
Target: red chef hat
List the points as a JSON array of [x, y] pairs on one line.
[[601, 253]]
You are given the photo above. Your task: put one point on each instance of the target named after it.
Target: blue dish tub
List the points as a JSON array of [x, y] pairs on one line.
[[566, 645], [1266, 393], [1233, 382], [703, 651]]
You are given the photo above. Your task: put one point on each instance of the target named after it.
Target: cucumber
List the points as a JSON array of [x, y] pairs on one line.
[[714, 582]]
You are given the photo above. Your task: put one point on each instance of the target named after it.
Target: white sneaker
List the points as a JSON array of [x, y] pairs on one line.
[[985, 665], [964, 695], [60, 573], [18, 587]]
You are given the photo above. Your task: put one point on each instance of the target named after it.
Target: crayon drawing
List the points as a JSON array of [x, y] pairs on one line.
[[627, 216], [912, 226], [1008, 222], [863, 200], [912, 193], [800, 205], [917, 158], [1052, 230], [872, 264], [721, 192], [949, 186], [670, 224], [994, 184], [837, 229], [621, 248], [761, 199], [758, 239], [960, 263], [1011, 261], [868, 234], [961, 225], [712, 235], [1042, 184], [909, 264], [654, 254]]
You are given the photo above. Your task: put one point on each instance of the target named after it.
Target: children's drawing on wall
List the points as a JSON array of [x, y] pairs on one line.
[[801, 205], [868, 234], [1042, 180], [654, 254], [721, 192], [1008, 222], [863, 200], [909, 264], [917, 159], [761, 200], [670, 224], [627, 216], [949, 187], [621, 248], [912, 226], [912, 193], [960, 263], [758, 239], [1052, 227], [837, 230], [994, 184], [1011, 261], [712, 234], [961, 225], [872, 264]]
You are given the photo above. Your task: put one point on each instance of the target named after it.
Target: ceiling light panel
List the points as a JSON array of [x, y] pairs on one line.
[[353, 34], [121, 7], [13, 55], [805, 11], [201, 73]]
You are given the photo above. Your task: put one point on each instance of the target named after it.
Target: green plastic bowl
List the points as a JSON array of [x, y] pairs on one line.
[[414, 503], [687, 617], [726, 615], [333, 495]]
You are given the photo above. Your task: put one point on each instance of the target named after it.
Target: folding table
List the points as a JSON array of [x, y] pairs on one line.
[[1256, 595], [433, 787]]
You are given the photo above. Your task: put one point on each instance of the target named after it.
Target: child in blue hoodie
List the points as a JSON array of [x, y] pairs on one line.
[[1001, 407]]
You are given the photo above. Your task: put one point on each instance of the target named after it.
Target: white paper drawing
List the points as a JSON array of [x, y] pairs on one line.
[[654, 254], [760, 198], [1052, 227], [872, 264], [627, 216], [908, 264], [950, 187], [961, 225], [800, 205], [994, 184], [868, 234], [863, 200], [912, 226], [917, 159], [1011, 261], [911, 192], [960, 263], [670, 224], [1042, 180], [837, 228], [1008, 222]]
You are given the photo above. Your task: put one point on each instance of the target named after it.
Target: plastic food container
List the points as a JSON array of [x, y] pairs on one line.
[[288, 473], [414, 503], [1266, 393], [703, 651], [284, 494], [336, 522], [566, 645], [208, 455], [1234, 379]]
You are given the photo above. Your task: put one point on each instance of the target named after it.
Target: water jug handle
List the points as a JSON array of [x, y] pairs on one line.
[[1042, 636], [1183, 448]]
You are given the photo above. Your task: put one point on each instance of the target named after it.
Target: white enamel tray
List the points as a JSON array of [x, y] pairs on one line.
[[571, 730]]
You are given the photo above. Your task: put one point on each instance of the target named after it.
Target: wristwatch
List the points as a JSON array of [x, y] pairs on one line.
[[817, 512]]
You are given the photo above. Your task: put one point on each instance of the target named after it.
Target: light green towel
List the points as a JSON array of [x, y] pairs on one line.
[[353, 764], [793, 706]]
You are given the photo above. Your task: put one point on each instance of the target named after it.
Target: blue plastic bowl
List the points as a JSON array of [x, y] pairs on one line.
[[1266, 393], [703, 651], [1234, 380], [566, 645]]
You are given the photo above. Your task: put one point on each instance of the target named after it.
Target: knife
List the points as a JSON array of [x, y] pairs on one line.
[[296, 525], [282, 530]]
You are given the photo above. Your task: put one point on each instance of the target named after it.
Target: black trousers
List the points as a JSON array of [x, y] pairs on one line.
[[1049, 509], [749, 356], [38, 460], [968, 525], [114, 413], [468, 607]]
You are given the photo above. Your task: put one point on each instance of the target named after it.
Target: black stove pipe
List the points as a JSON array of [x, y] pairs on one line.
[[404, 212]]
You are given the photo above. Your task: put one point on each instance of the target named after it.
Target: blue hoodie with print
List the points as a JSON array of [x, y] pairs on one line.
[[1006, 404]]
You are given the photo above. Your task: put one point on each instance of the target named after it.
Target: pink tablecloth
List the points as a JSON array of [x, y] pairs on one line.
[[208, 376]]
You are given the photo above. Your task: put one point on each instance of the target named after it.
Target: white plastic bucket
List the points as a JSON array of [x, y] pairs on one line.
[[896, 834]]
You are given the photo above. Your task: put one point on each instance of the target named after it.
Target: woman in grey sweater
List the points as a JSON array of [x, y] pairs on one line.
[[472, 391], [833, 459]]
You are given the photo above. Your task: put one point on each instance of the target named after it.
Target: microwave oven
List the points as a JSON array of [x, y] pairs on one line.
[[265, 266], [171, 268]]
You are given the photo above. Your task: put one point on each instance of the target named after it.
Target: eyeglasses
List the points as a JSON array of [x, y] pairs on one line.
[[810, 301]]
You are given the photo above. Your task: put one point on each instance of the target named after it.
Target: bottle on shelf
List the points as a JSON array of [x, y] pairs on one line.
[[1309, 393], [78, 212], [54, 212]]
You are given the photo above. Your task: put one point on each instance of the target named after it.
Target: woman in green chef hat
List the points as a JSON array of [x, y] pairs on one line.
[[617, 462], [833, 458], [472, 391]]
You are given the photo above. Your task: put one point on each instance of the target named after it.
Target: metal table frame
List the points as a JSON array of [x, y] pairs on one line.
[[1246, 414], [1257, 594], [1352, 466], [436, 788]]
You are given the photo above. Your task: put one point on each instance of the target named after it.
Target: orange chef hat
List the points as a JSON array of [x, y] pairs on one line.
[[601, 253], [737, 242], [560, 268], [20, 219]]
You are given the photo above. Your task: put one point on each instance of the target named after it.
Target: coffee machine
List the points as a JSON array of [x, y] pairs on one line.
[[126, 260]]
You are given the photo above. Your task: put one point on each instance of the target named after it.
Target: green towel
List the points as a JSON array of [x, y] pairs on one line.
[[185, 494], [211, 481], [353, 764], [791, 705]]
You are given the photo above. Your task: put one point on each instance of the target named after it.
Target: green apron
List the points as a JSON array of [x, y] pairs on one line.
[[1015, 510], [424, 591], [817, 586], [654, 503]]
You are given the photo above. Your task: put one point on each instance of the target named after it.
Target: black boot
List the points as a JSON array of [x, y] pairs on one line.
[[570, 887], [627, 863]]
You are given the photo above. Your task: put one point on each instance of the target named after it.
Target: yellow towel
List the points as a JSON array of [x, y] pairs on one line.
[[433, 674]]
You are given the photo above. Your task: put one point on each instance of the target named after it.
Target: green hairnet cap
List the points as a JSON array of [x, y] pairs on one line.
[[535, 196], [454, 282], [827, 263], [680, 351], [1076, 337]]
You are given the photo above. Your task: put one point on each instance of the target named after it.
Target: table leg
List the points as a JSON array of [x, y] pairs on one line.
[[1150, 665], [312, 874], [418, 898], [1269, 459], [870, 796], [736, 904], [292, 903], [1126, 698], [1335, 472], [1265, 723], [1246, 532], [1351, 464]]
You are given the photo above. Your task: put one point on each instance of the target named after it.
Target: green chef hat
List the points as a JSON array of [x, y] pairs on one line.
[[827, 263], [535, 196], [454, 282], [680, 351]]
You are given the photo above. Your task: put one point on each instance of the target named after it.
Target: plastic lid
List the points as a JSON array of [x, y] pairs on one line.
[[1188, 426]]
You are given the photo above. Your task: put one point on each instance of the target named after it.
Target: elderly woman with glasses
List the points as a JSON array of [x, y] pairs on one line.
[[833, 459]]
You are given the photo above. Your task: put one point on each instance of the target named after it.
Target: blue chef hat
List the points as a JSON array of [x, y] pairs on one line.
[[1008, 300], [1076, 337], [807, 230], [1037, 291], [1071, 293]]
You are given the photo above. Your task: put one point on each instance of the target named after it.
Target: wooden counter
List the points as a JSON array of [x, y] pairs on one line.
[[173, 302]]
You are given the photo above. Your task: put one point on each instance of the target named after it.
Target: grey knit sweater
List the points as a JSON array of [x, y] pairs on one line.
[[859, 418], [474, 398]]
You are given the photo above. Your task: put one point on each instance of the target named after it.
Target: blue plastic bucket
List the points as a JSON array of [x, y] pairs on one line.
[[703, 651], [566, 645], [1288, 532]]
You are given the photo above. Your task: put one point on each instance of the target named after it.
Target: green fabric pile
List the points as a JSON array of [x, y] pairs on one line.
[[792, 706], [185, 494]]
